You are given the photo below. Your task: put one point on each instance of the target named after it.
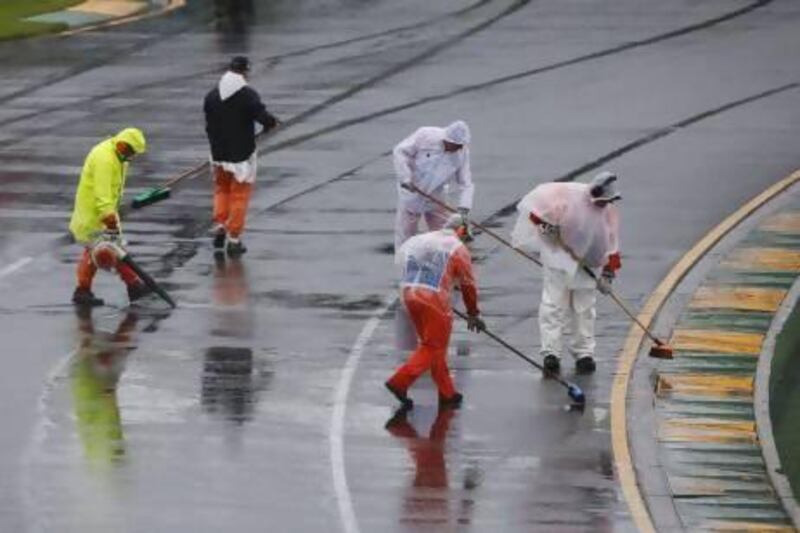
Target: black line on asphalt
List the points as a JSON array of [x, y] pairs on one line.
[[198, 228], [268, 61], [344, 175], [571, 175], [648, 139], [386, 74], [518, 76], [89, 65]]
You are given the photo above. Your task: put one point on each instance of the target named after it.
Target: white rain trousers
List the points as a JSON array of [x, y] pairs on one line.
[[567, 308], [420, 159]]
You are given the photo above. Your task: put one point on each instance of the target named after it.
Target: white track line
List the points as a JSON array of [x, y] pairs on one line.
[[336, 438], [13, 267]]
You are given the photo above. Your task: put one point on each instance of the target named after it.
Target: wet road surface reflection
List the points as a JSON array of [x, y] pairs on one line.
[[94, 375], [427, 502], [231, 377]]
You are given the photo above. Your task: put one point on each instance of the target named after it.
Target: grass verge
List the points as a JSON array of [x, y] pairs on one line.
[[14, 12]]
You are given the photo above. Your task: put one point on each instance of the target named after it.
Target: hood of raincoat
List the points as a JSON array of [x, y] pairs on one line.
[[590, 233], [603, 187], [457, 133], [230, 84], [133, 137], [424, 245]]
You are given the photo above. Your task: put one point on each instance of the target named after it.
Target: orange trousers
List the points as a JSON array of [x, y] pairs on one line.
[[231, 199], [433, 325], [87, 269]]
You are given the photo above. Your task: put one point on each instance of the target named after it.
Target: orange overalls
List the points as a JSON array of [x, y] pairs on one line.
[[87, 269], [428, 279], [231, 199]]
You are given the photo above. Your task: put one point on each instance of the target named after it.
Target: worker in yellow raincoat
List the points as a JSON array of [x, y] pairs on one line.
[[95, 218]]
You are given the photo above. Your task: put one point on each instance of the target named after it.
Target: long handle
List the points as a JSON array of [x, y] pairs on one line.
[[515, 351], [201, 167], [411, 187]]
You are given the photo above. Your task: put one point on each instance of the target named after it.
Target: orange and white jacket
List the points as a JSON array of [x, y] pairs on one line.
[[432, 264]]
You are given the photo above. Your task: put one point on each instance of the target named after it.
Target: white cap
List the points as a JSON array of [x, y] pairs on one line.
[[457, 133], [602, 187]]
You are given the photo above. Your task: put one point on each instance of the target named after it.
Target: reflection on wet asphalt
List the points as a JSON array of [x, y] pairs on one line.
[[94, 375], [232, 378], [427, 501], [217, 416]]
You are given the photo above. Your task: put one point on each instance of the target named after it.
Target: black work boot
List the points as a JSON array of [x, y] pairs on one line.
[[219, 239], [399, 418], [86, 298], [236, 248], [552, 364], [585, 365], [401, 396], [453, 401], [137, 291]]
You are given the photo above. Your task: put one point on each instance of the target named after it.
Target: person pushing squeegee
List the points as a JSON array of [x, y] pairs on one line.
[[564, 222]]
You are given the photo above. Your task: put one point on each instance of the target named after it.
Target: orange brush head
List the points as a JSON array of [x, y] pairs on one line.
[[661, 350]]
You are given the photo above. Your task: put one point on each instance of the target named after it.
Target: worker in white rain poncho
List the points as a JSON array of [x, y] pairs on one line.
[[431, 159], [572, 226]]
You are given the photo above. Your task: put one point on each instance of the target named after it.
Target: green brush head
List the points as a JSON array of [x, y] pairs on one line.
[[149, 197]]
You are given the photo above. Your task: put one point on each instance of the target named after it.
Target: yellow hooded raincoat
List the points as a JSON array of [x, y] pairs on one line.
[[101, 184]]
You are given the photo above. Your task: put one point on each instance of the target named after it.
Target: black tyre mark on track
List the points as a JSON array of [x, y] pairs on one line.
[[507, 210], [404, 65], [571, 175], [200, 226], [646, 140], [84, 67], [386, 74], [269, 60], [517, 76]]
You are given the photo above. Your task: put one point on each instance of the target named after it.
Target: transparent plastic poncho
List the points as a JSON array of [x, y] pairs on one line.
[[423, 259], [589, 234], [432, 264]]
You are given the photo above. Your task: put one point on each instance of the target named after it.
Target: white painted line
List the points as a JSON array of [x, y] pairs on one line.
[[10, 269], [343, 499]]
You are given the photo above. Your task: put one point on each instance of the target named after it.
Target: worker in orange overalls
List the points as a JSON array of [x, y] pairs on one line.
[[432, 264]]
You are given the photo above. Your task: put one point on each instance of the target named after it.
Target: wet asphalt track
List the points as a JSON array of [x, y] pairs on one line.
[[258, 405]]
